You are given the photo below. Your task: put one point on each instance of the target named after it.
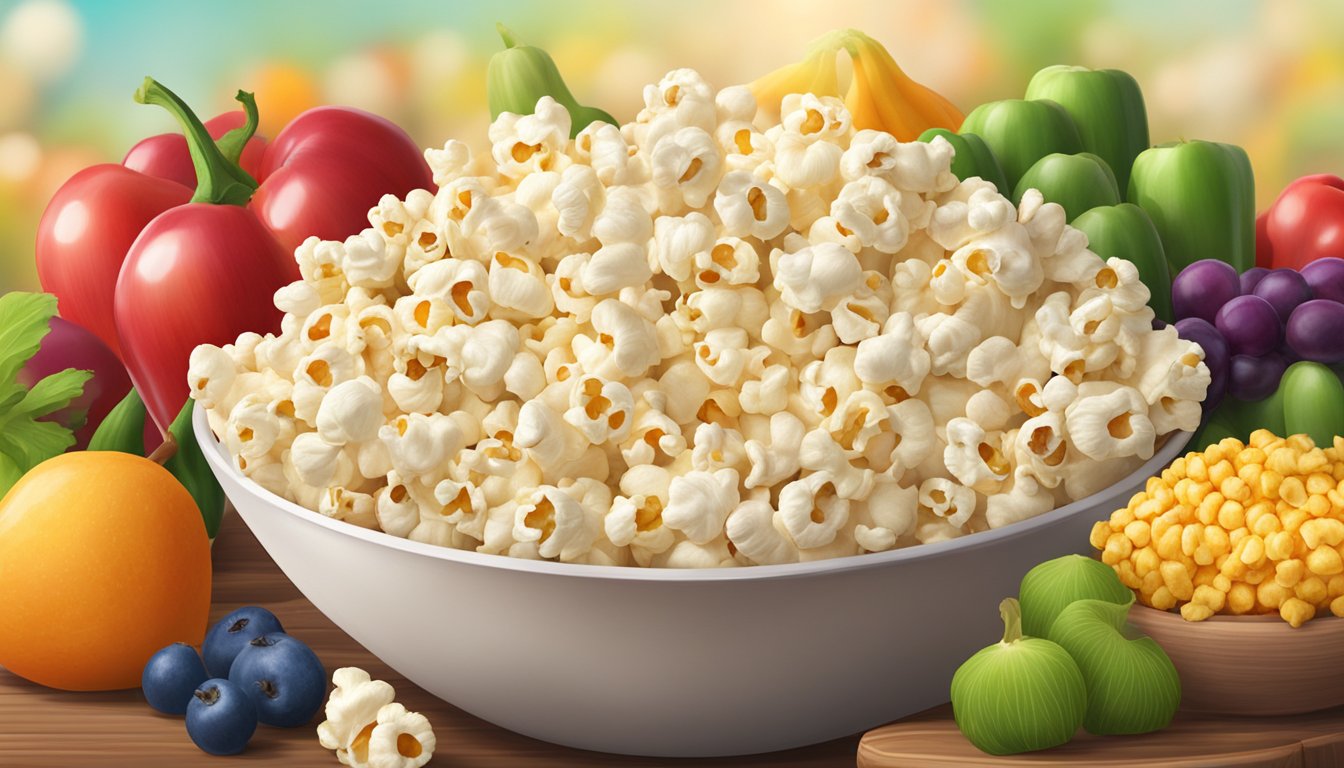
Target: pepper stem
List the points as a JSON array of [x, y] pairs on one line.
[[219, 180], [166, 450], [232, 143], [1011, 611], [506, 34]]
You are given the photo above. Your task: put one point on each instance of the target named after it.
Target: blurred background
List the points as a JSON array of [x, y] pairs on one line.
[[1266, 75]]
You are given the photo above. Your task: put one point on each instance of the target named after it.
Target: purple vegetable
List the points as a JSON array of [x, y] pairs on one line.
[[70, 346], [1250, 325], [1216, 355], [1251, 278], [1316, 331], [1326, 278], [1203, 287], [1284, 289], [1255, 378]]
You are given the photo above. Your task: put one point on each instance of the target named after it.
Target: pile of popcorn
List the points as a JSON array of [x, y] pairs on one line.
[[698, 341]]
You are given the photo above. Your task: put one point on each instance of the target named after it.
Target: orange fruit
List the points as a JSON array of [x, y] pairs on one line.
[[104, 560]]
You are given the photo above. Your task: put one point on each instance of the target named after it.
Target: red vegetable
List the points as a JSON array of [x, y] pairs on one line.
[[204, 272], [69, 346], [1306, 222], [166, 155]]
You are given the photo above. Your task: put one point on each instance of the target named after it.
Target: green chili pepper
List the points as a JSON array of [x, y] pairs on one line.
[[520, 74], [1201, 197], [1313, 402], [189, 466], [1124, 231], [1106, 105], [973, 157], [1077, 182], [1021, 132]]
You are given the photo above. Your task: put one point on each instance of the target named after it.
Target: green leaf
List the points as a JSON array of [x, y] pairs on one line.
[[25, 319], [190, 468], [25, 442]]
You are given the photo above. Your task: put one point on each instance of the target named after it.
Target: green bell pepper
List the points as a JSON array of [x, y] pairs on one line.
[[1020, 132], [973, 157], [1106, 105], [1124, 231], [521, 74], [1078, 182], [1201, 197]]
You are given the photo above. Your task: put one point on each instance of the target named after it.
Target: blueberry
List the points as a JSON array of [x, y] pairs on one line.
[[231, 635], [221, 718], [170, 676], [283, 677]]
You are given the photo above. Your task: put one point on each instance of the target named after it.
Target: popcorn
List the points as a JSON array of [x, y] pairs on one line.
[[696, 341]]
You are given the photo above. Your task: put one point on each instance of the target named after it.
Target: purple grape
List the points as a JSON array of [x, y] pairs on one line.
[[1326, 278], [1316, 331], [1216, 356], [1203, 287], [1284, 289], [1251, 278], [1255, 378], [1250, 325]]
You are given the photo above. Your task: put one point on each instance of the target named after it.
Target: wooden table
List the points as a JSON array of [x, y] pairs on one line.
[[931, 739], [42, 727]]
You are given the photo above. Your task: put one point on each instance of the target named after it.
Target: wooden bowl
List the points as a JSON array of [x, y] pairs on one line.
[[1250, 665]]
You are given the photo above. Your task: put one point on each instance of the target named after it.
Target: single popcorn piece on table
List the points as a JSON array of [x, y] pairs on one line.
[[702, 339], [368, 730]]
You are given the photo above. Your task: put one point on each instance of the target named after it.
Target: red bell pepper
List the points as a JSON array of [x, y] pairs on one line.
[[156, 271], [1306, 223], [167, 157]]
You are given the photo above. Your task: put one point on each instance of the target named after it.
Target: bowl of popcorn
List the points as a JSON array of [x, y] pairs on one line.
[[713, 433]]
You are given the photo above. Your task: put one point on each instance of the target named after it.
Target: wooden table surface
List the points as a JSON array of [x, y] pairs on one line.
[[42, 727], [931, 739]]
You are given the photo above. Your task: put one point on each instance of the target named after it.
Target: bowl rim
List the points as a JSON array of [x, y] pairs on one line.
[[1231, 618], [221, 463]]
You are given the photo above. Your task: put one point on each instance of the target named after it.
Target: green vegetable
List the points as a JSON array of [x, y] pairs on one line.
[[1313, 402], [1201, 197], [188, 465], [25, 440], [973, 157], [1050, 587], [1077, 182], [1018, 695], [1106, 105], [1021, 132], [1124, 231], [520, 74], [1132, 686], [124, 427]]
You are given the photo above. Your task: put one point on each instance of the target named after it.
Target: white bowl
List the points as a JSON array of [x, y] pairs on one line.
[[724, 661]]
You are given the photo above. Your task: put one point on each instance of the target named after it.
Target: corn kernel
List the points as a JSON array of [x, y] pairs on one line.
[[1120, 518], [1254, 576], [1283, 461], [1269, 484], [1271, 595], [1296, 612], [1159, 526], [1220, 471], [1208, 508], [1101, 531], [1213, 454], [1261, 437], [1250, 474], [1335, 586], [1288, 573], [1196, 469], [1209, 596], [1264, 525], [1128, 577], [1149, 509], [1117, 548], [1249, 457], [1216, 540], [1237, 534], [1145, 559], [1234, 488], [1169, 546], [1162, 599], [1325, 561], [1151, 582], [1312, 589], [1138, 533], [1312, 460], [1254, 550], [1279, 546], [1293, 519], [1317, 505], [1292, 491], [1203, 556], [1177, 579], [1327, 531], [1231, 446], [1222, 583], [1319, 483], [1196, 612], [1240, 598], [1204, 575], [1231, 515], [1337, 606]]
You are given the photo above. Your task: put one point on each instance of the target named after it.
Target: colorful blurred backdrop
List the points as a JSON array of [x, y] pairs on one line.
[[1268, 75]]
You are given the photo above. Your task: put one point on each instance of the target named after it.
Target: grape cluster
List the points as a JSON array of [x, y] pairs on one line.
[[1252, 326]]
